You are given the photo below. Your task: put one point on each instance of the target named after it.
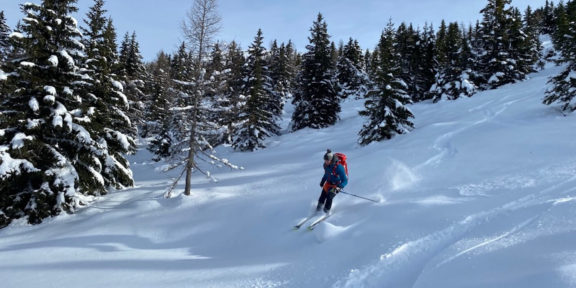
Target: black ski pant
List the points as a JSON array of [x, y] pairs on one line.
[[325, 200]]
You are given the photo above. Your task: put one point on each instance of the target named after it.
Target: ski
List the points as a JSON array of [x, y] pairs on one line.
[[318, 221], [299, 225]]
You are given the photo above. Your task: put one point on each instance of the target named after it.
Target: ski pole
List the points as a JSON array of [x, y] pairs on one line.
[[359, 196]]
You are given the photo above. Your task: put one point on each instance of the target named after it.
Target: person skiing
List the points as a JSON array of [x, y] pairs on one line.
[[333, 181]]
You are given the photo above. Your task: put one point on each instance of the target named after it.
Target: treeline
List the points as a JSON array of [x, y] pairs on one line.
[[68, 101], [73, 101]]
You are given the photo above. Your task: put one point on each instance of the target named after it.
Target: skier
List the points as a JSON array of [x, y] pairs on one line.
[[333, 181]]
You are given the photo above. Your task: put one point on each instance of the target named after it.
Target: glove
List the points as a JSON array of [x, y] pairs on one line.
[[322, 183], [335, 190]]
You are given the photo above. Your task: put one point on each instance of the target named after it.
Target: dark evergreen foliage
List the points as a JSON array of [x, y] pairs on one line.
[[453, 79], [386, 103], [111, 124], [58, 160], [232, 100], [4, 41], [505, 47], [352, 78], [159, 100], [316, 98], [257, 120], [563, 86]]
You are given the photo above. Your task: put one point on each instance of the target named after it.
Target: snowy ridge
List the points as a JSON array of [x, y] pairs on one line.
[[481, 194]]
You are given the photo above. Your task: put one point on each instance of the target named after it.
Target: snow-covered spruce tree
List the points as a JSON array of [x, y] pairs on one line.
[[132, 72], [282, 73], [453, 78], [179, 118], [4, 41], [386, 102], [316, 99], [232, 101], [411, 55], [561, 28], [110, 125], [257, 120], [217, 75], [426, 66], [353, 80], [294, 62], [158, 103], [50, 162], [533, 29], [547, 23], [156, 88], [501, 59], [562, 88], [525, 45]]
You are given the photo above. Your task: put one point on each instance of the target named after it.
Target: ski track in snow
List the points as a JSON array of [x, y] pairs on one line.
[[403, 266]]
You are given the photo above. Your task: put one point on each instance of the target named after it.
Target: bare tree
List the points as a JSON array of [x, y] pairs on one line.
[[200, 28]]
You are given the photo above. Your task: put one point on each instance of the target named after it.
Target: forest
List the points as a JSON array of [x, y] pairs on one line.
[[74, 103]]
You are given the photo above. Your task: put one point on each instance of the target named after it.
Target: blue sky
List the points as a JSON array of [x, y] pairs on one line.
[[157, 23]]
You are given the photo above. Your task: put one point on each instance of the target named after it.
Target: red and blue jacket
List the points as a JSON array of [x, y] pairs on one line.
[[334, 176]]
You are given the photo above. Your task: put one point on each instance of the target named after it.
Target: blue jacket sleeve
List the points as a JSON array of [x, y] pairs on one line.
[[342, 173]]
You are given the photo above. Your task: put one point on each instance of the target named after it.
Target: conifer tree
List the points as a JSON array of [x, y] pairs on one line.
[[502, 60], [408, 45], [111, 123], [352, 78], [180, 73], [131, 73], [563, 86], [547, 25], [4, 41], [316, 98], [257, 121], [281, 72], [123, 55], [55, 161], [180, 65], [218, 76], [134, 65], [110, 42], [525, 45], [233, 100], [158, 115], [561, 27], [427, 66], [386, 103], [294, 62], [453, 78]]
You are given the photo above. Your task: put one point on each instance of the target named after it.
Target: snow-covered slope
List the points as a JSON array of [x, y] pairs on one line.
[[481, 194]]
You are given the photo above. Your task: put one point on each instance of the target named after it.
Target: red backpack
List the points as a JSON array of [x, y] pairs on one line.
[[341, 160]]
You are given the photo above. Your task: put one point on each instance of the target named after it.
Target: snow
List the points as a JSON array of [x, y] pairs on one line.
[[69, 59], [9, 165], [27, 64], [118, 85], [16, 35], [33, 104], [482, 193], [18, 140], [50, 90], [53, 60]]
